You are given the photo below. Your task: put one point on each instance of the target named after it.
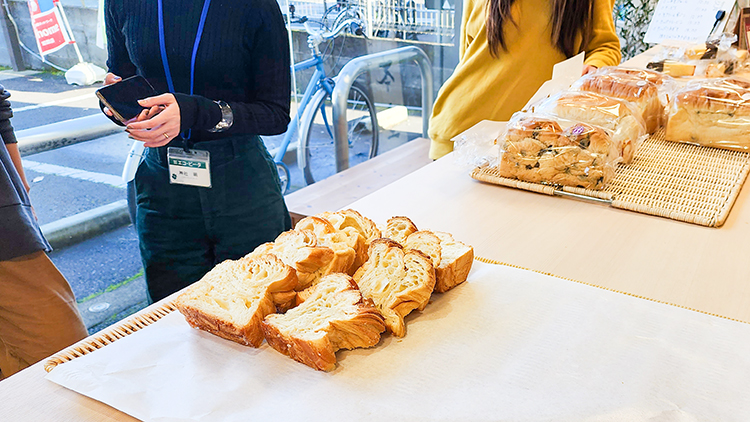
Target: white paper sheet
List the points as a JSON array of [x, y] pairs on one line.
[[685, 20], [507, 345]]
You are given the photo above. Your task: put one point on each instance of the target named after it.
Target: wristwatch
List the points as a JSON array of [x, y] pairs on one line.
[[227, 118]]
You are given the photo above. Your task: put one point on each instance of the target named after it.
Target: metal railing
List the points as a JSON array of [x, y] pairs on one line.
[[362, 64], [384, 19]]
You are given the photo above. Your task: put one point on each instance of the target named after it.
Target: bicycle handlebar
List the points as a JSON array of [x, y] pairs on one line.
[[353, 24]]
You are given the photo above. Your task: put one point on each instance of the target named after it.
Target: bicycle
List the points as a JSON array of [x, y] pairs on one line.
[[316, 148]]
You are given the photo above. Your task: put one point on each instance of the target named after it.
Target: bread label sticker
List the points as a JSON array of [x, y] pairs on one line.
[[191, 167]]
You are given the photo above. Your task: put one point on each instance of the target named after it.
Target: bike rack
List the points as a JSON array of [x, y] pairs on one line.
[[362, 64]]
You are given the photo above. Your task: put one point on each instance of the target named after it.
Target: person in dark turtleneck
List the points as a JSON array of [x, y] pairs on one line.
[[222, 69]]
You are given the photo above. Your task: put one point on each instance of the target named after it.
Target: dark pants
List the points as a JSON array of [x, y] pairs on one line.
[[185, 230]]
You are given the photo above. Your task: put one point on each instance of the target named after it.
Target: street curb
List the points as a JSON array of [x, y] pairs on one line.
[[77, 228], [67, 132]]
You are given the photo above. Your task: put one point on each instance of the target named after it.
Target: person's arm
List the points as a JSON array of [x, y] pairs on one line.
[[9, 136], [15, 156], [603, 48], [118, 61], [270, 82]]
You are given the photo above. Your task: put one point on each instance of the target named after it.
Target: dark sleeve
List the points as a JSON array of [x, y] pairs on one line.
[[6, 129], [118, 60], [269, 73]]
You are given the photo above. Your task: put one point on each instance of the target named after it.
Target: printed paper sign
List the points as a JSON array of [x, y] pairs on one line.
[[49, 31], [685, 20]]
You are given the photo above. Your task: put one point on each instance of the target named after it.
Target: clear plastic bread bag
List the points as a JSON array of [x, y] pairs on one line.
[[713, 113], [621, 117], [637, 87], [472, 150], [542, 148]]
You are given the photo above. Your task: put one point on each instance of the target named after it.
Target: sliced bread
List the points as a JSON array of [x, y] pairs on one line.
[[334, 316], [300, 249], [397, 281], [399, 228], [232, 299], [456, 259]]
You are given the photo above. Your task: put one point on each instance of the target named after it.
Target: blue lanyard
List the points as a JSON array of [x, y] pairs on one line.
[[163, 48]]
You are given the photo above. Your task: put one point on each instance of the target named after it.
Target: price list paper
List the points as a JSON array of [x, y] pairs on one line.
[[685, 20]]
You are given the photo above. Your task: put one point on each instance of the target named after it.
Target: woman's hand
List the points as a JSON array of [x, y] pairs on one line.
[[110, 79], [587, 68], [158, 123]]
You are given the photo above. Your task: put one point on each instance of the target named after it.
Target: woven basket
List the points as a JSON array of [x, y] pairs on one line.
[[683, 182], [108, 336]]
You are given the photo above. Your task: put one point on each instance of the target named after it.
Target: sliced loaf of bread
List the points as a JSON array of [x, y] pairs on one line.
[[300, 249], [456, 259], [399, 228], [397, 281], [334, 316], [232, 299]]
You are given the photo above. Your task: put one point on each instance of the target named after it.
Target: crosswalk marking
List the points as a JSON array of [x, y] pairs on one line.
[[88, 96], [90, 176]]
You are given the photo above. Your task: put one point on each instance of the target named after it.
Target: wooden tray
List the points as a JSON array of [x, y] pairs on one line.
[[683, 182]]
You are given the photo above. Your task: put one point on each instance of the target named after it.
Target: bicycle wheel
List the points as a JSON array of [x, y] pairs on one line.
[[362, 127], [284, 177]]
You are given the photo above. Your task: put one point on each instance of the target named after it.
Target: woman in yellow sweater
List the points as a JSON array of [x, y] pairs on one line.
[[507, 51]]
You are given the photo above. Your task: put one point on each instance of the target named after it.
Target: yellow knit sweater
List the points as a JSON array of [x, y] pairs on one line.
[[483, 87]]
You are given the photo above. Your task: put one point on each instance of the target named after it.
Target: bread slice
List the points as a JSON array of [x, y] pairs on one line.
[[344, 242], [232, 299], [397, 281], [426, 242], [363, 225], [334, 316], [456, 259], [399, 228], [300, 250]]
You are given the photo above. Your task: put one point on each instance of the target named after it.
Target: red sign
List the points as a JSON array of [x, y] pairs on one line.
[[49, 32]]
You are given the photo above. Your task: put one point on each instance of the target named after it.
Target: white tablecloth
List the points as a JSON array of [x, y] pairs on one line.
[[509, 345]]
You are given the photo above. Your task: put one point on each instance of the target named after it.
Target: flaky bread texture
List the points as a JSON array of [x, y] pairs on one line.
[[397, 281], [232, 299], [715, 113], [300, 250], [345, 243], [399, 228], [334, 316], [641, 92], [349, 218]]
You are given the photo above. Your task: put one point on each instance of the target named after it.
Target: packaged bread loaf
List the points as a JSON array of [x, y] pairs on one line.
[[539, 148], [619, 116], [633, 87], [712, 112]]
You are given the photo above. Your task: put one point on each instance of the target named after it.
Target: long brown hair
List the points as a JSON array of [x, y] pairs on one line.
[[569, 18]]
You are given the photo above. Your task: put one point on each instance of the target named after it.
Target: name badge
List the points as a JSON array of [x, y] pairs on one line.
[[189, 167]]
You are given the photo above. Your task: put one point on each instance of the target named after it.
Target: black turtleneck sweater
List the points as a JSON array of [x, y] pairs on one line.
[[242, 58]]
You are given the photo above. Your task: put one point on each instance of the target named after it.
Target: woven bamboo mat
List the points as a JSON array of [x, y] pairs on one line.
[[683, 182], [108, 336]]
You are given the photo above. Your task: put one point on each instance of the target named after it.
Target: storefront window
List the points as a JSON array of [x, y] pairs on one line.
[[392, 90]]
